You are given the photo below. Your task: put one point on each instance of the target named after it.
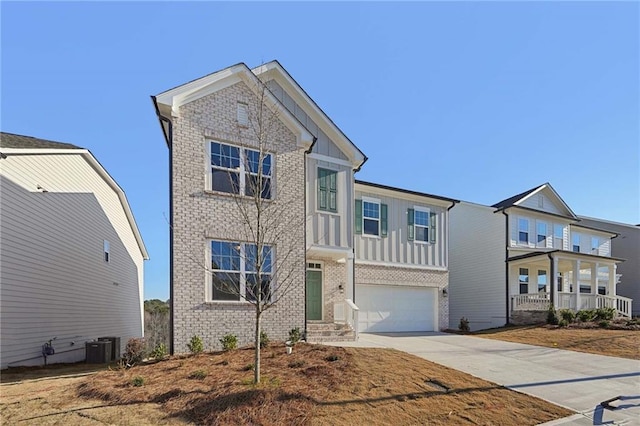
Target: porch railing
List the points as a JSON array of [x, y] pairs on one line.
[[346, 312], [541, 302]]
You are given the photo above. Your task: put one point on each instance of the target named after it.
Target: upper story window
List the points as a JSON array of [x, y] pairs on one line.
[[421, 224], [575, 241], [237, 170], [327, 190], [595, 245], [371, 217], [558, 236], [541, 234], [234, 271], [523, 230], [106, 250]]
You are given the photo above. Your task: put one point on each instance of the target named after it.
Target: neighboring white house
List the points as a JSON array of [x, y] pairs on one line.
[[626, 246], [207, 124], [510, 261], [71, 255]]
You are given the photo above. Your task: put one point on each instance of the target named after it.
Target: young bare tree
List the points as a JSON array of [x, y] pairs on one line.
[[270, 230]]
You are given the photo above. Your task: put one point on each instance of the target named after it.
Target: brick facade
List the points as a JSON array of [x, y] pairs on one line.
[[391, 275], [201, 215]]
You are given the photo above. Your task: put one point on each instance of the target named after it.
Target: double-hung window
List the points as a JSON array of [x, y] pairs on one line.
[[541, 240], [523, 279], [575, 241], [234, 271], [371, 217], [558, 236], [238, 170], [421, 224], [327, 190], [595, 245], [523, 230], [542, 281]]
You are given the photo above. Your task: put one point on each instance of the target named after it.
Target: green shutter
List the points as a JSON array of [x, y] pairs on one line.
[[332, 177], [322, 189], [358, 216], [383, 220], [410, 229], [432, 227]]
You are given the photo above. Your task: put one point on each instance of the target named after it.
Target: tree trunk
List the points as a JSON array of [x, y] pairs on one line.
[[256, 361]]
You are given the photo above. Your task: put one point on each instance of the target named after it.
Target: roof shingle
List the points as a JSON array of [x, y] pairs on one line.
[[11, 140]]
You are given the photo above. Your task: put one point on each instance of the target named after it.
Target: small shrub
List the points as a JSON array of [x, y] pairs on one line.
[[586, 315], [137, 381], [294, 335], [248, 367], [134, 352], [552, 316], [563, 323], [264, 340], [198, 375], [464, 325], [229, 342], [604, 314], [160, 351], [567, 315], [604, 324], [195, 345], [296, 364], [332, 358]]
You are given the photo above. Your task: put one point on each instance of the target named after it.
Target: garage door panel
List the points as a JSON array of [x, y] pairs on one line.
[[395, 308]]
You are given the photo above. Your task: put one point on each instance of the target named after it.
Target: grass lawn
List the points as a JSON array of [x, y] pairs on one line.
[[619, 343], [314, 385]]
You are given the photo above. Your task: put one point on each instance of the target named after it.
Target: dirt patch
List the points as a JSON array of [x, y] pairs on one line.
[[581, 338], [314, 385]]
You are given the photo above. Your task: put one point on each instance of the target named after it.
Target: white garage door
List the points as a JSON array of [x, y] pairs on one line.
[[395, 308]]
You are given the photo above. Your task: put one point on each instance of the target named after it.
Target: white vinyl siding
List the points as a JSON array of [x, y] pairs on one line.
[[476, 266], [545, 202], [55, 282]]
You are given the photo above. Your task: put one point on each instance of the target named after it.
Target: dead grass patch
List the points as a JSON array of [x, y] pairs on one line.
[[314, 385], [601, 341]]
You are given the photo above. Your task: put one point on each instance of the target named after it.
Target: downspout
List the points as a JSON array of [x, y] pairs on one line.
[[353, 237], [506, 262], [308, 151], [168, 135]]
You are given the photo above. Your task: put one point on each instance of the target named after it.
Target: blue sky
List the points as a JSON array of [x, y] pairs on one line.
[[476, 101]]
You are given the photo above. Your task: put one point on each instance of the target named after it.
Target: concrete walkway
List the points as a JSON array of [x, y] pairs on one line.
[[575, 380]]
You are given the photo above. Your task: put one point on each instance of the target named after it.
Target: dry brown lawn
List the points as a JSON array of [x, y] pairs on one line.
[[315, 385], [619, 343]]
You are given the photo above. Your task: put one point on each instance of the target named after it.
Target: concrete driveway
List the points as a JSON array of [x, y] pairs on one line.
[[575, 380]]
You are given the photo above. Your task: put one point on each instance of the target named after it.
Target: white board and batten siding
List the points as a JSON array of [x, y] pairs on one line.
[[54, 280], [396, 248], [477, 266]]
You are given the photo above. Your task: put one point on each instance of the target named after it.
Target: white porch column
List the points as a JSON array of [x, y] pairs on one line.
[[576, 282], [611, 285], [594, 278], [553, 282], [350, 277]]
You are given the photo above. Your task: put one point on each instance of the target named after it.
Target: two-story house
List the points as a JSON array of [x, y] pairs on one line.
[[512, 260], [393, 279]]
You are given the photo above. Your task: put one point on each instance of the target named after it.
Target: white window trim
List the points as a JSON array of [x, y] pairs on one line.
[[528, 230], [379, 203], [242, 272], [338, 204], [415, 225], [556, 238], [573, 236], [546, 237], [242, 171], [595, 250]]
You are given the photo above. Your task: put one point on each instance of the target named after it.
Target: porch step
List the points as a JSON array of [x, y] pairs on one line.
[[319, 332]]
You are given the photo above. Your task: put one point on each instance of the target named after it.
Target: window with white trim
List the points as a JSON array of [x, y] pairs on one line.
[[421, 224], [236, 170], [542, 280], [595, 245], [541, 239], [234, 274], [523, 230], [106, 249], [575, 240], [558, 236], [371, 217], [523, 279]]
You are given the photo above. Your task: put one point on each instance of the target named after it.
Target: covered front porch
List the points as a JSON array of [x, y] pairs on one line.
[[566, 280]]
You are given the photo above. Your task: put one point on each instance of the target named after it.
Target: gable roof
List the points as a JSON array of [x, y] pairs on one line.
[[168, 103], [276, 71], [13, 144], [405, 191], [519, 198], [11, 140]]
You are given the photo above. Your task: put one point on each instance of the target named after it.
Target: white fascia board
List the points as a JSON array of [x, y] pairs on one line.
[[39, 151], [383, 192], [275, 70], [553, 191]]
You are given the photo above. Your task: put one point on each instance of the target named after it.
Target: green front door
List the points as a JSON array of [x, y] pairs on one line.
[[314, 295]]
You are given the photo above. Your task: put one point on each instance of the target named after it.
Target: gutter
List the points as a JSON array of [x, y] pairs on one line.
[[361, 164], [168, 136], [506, 261]]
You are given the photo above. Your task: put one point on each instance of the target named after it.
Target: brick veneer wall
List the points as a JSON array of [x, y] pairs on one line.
[[391, 275], [201, 215]]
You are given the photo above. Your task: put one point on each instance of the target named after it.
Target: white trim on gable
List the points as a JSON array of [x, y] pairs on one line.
[[274, 70], [555, 194]]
